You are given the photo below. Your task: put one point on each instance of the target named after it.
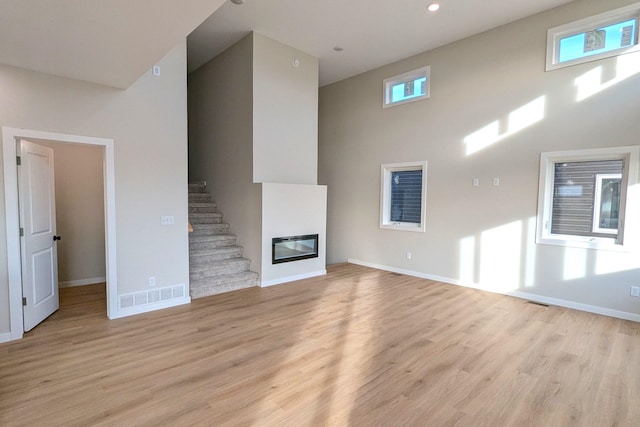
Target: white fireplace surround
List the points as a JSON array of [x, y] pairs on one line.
[[292, 210]]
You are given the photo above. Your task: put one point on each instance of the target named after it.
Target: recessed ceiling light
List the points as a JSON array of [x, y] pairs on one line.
[[432, 7], [237, 1], [338, 48]]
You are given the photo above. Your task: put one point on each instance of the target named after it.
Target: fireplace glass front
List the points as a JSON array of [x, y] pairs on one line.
[[293, 248]]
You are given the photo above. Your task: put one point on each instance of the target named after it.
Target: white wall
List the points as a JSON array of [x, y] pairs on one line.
[[79, 213], [293, 210], [221, 141], [482, 236], [148, 123], [285, 113]]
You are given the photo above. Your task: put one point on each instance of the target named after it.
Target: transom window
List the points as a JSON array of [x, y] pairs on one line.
[[597, 37], [407, 87]]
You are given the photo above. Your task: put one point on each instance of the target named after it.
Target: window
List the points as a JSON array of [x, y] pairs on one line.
[[606, 212], [601, 36], [403, 196], [407, 87], [583, 197]]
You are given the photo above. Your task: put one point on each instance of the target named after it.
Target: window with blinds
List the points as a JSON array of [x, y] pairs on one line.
[[586, 198], [403, 196], [406, 196], [583, 198]]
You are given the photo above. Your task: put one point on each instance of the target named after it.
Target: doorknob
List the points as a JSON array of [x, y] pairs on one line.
[[56, 238]]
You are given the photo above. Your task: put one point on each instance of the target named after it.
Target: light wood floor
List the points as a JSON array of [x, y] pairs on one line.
[[359, 347]]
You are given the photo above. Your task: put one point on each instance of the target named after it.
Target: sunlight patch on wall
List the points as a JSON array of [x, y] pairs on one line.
[[530, 260], [500, 253], [467, 260], [591, 82], [575, 263], [608, 262], [518, 120]]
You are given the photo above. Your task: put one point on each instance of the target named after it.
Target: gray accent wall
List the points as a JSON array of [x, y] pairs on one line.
[[493, 110]]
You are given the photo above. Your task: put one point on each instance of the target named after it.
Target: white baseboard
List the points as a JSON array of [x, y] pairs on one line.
[[279, 281], [146, 308], [82, 282], [9, 336], [518, 294]]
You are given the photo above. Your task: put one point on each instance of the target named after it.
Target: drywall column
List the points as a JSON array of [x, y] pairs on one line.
[[285, 113], [285, 154]]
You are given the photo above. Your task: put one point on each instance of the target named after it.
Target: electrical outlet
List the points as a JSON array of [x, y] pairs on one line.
[[635, 291], [152, 281], [167, 220], [409, 255]]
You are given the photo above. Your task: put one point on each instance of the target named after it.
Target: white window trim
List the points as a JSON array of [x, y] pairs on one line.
[[385, 196], [555, 34], [598, 201], [629, 210], [387, 84]]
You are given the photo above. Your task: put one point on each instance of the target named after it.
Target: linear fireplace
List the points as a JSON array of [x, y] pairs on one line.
[[293, 248]]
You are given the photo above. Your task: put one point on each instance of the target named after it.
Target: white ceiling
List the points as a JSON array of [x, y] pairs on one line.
[[372, 32], [110, 42]]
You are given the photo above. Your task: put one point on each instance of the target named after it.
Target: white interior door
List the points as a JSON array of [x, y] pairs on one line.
[[38, 244]]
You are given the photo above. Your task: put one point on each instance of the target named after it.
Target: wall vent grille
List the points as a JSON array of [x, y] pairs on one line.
[[151, 296]]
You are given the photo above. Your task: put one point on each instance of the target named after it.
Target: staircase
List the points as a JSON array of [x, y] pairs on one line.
[[215, 261]]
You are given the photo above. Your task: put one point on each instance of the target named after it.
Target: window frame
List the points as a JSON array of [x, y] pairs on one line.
[[628, 216], [412, 75], [595, 227], [556, 34], [385, 196]]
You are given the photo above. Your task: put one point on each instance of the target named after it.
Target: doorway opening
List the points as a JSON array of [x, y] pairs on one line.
[[79, 226], [10, 136]]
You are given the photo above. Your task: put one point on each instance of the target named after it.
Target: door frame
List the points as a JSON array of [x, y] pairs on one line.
[[9, 138]]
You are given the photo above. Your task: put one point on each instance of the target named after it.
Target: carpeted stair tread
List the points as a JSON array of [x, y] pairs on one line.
[[202, 207], [208, 229], [205, 218], [200, 198], [200, 256]]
